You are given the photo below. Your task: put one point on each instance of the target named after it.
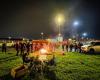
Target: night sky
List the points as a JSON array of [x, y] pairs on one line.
[[28, 18]]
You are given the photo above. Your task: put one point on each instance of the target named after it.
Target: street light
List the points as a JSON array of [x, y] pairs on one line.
[[84, 34], [59, 21], [42, 34], [9, 38], [76, 23]]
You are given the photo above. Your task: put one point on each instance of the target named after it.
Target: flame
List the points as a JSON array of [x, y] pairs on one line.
[[43, 51]]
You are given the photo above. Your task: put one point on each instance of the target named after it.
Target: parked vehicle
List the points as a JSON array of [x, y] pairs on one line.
[[85, 46], [93, 47]]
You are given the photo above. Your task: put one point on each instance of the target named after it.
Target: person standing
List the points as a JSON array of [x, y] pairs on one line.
[[22, 48], [28, 48], [17, 47], [79, 47], [66, 44], [63, 45], [76, 47], [4, 47], [71, 47], [31, 47]]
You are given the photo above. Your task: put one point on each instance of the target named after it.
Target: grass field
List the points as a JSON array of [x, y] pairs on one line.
[[72, 66]]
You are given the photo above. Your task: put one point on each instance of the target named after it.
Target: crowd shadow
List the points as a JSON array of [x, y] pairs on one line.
[[8, 58]]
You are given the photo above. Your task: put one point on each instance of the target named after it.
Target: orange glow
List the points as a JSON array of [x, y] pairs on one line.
[[43, 51]]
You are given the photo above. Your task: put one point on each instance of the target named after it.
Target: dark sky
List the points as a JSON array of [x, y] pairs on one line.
[[28, 18]]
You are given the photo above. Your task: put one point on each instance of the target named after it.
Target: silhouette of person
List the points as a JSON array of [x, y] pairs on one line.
[[17, 47], [22, 48], [4, 47], [28, 47], [79, 47], [76, 47], [71, 47]]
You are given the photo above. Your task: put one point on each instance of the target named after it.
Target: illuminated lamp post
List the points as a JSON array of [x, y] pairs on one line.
[[42, 34], [59, 19], [76, 23], [9, 38], [75, 26], [84, 35], [59, 22]]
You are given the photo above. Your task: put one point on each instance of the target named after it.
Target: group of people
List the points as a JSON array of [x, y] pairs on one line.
[[71, 46], [27, 47], [22, 47]]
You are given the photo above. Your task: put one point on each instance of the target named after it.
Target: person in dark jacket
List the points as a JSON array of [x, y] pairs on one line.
[[63, 47], [79, 47], [31, 47], [67, 46], [17, 47], [22, 48], [4, 47], [28, 48], [76, 47], [71, 47]]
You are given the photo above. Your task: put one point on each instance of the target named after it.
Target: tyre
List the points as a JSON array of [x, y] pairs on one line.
[[91, 51]]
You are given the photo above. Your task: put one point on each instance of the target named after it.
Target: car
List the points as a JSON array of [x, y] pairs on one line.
[[91, 47], [85, 46], [94, 47]]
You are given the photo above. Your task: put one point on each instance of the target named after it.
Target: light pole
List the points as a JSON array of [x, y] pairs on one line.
[[9, 38], [42, 34], [75, 26], [59, 21], [76, 23], [84, 34]]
